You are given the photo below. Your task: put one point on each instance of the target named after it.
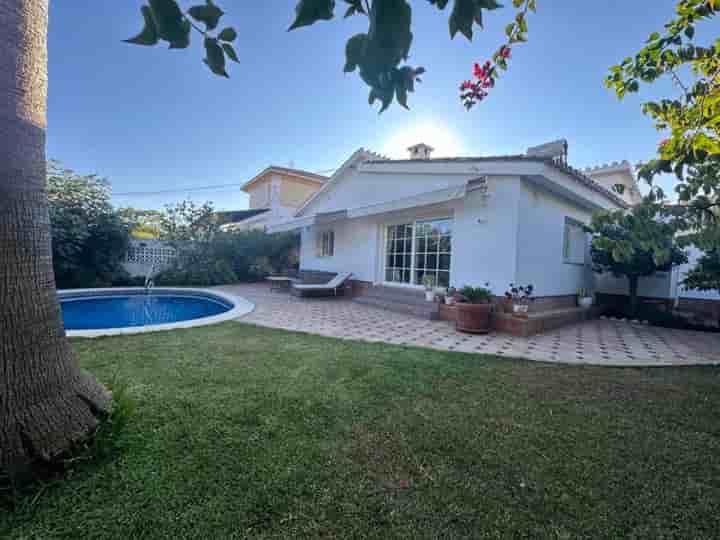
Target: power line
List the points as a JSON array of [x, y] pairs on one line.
[[180, 190], [190, 189]]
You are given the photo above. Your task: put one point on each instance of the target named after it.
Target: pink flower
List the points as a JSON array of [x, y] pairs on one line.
[[664, 142], [505, 51]]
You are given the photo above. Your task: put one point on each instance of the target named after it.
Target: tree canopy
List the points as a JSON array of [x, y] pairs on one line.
[[635, 243], [89, 238]]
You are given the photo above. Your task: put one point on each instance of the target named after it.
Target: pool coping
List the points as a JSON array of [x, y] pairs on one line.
[[241, 307]]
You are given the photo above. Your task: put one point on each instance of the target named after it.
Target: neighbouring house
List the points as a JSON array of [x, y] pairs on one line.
[[276, 194], [463, 221]]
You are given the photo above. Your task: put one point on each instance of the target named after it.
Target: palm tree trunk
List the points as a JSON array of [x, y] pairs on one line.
[[46, 402]]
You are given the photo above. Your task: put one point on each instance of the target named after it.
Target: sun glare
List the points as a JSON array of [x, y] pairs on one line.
[[440, 137]]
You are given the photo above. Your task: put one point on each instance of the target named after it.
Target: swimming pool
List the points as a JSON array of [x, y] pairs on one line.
[[96, 312]]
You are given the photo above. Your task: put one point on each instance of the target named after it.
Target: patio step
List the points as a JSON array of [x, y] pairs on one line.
[[399, 300]]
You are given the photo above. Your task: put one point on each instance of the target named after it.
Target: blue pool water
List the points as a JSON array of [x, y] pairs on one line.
[[129, 310]]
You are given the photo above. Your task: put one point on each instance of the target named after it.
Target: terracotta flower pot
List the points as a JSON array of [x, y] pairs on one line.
[[473, 318]]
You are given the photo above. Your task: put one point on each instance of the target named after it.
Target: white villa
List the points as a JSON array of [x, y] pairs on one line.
[[475, 220]]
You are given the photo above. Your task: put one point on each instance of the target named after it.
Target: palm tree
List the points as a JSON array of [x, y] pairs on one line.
[[46, 402]]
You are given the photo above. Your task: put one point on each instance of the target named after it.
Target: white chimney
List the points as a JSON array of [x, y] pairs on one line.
[[555, 150], [420, 151]]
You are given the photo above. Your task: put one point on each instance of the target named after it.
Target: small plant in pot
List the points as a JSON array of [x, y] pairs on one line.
[[473, 310], [584, 298], [428, 282], [451, 296], [520, 297]]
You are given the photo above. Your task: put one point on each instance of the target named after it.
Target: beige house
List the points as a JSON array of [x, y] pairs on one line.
[[276, 194]]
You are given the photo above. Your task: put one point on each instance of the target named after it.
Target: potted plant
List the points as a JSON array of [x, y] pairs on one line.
[[473, 310], [451, 296], [585, 299], [428, 282], [520, 297]]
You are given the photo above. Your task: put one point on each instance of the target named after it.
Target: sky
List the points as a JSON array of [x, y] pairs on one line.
[[153, 120]]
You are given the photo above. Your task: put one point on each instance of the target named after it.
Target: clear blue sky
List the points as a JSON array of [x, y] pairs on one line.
[[152, 119]]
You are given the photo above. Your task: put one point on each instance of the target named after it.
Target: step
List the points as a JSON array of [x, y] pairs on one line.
[[408, 301]]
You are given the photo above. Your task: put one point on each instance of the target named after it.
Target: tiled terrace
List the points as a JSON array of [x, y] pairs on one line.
[[598, 342]]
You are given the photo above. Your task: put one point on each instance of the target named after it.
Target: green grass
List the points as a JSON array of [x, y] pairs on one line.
[[240, 431]]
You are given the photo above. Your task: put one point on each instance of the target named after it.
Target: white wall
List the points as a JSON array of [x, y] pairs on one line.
[[482, 251], [656, 286], [540, 244], [484, 236], [356, 245], [357, 188]]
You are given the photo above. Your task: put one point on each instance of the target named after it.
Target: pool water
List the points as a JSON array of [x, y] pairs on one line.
[[103, 312]]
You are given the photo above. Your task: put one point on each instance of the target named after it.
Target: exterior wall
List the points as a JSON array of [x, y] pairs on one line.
[[259, 194], [482, 251], [631, 194], [294, 191], [358, 188], [281, 190], [656, 286], [356, 246], [484, 236], [540, 243]]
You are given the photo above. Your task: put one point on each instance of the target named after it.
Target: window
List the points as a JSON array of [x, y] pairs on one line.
[[574, 242], [326, 244], [414, 250]]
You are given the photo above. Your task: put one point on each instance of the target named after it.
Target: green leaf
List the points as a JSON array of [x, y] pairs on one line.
[[184, 42], [401, 95], [308, 12], [149, 33], [356, 6], [355, 52], [215, 57], [462, 18], [209, 14], [227, 34], [690, 32], [169, 21], [230, 52]]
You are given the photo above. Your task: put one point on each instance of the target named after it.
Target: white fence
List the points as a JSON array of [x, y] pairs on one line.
[[143, 255]]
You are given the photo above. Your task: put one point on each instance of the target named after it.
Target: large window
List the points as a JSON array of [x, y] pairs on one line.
[[574, 242], [326, 244], [414, 250]]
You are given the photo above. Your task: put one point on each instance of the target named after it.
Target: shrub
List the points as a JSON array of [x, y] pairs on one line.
[[475, 295], [89, 239], [198, 273]]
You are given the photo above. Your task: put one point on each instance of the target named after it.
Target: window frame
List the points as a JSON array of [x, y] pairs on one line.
[[326, 243], [413, 241], [567, 253]]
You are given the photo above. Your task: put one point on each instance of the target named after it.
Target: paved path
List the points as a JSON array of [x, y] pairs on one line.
[[600, 342]]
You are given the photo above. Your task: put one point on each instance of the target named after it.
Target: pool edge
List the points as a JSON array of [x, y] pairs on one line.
[[241, 307]]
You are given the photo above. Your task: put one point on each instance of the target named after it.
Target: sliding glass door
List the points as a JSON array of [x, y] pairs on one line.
[[414, 250]]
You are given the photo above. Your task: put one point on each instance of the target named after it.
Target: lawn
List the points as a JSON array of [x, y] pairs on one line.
[[241, 431]]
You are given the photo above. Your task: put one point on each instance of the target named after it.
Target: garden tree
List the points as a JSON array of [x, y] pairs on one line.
[[635, 243], [46, 402], [143, 224], [691, 118], [705, 275], [89, 238], [188, 221]]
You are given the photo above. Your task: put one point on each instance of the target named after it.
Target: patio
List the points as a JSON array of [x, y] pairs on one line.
[[598, 342]]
